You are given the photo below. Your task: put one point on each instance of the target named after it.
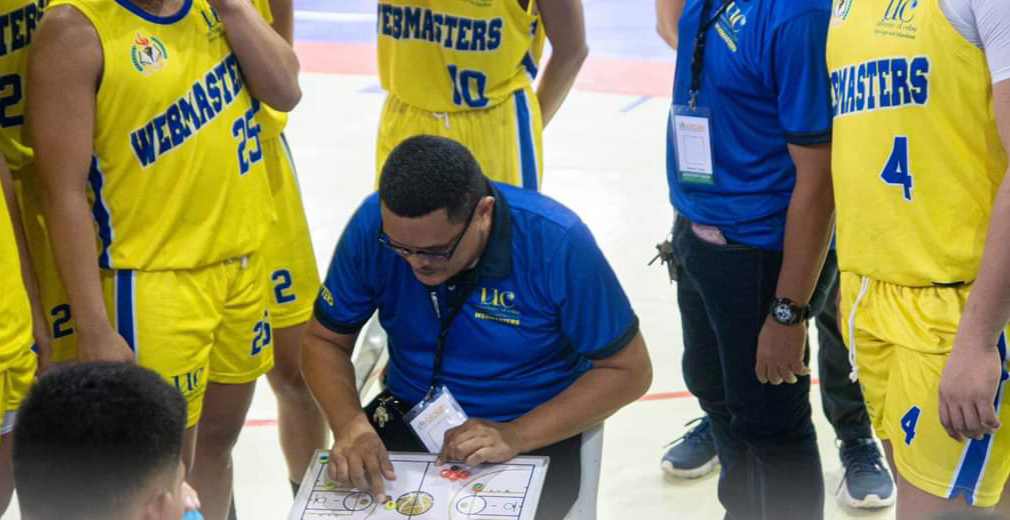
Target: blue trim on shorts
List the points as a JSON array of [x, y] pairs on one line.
[[527, 145], [977, 453], [125, 315], [101, 212]]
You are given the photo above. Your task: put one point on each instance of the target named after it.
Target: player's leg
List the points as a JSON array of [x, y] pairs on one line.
[[935, 473], [15, 380], [243, 351], [172, 336], [294, 282]]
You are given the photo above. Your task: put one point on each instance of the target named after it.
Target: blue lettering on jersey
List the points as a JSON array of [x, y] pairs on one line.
[[182, 120], [451, 32], [17, 26], [877, 84]]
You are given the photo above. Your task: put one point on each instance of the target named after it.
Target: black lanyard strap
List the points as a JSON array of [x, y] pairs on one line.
[[455, 306], [698, 58]]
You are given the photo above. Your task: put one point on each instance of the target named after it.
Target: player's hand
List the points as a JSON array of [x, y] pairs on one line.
[[190, 499], [780, 353], [478, 441], [359, 459], [103, 345], [968, 390]]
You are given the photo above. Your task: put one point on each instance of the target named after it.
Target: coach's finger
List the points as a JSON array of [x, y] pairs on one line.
[[338, 470], [373, 472]]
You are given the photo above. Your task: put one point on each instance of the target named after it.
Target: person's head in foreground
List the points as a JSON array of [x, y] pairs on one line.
[[436, 207], [100, 441]]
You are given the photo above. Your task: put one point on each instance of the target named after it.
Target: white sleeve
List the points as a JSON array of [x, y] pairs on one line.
[[986, 24]]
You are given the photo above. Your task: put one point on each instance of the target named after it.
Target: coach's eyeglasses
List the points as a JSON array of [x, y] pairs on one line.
[[432, 256]]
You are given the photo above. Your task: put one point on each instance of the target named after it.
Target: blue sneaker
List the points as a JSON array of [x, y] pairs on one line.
[[867, 484], [693, 455]]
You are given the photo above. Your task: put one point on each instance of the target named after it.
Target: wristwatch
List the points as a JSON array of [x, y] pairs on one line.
[[786, 312]]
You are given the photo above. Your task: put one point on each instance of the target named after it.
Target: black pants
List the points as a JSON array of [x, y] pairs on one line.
[[841, 399], [561, 485], [771, 468]]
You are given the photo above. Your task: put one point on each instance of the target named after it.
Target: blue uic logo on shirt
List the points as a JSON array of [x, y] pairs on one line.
[[899, 19], [498, 305], [730, 23]]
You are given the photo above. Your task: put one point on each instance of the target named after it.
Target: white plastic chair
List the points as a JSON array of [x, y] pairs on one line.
[[589, 486]]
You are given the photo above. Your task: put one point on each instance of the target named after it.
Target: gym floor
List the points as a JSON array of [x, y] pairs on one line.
[[605, 158]]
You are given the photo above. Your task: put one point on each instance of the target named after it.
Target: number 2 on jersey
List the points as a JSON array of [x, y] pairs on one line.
[[896, 170], [10, 95]]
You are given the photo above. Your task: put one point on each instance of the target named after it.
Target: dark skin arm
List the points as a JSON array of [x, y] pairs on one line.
[[611, 384], [809, 222], [61, 129], [358, 457], [668, 14], [40, 323], [284, 19], [566, 29], [269, 62]]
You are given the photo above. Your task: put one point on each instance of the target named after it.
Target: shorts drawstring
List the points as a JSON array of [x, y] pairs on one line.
[[864, 286], [444, 117]]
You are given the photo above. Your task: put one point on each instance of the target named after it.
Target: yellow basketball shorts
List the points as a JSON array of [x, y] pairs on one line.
[[900, 339], [195, 326], [287, 252], [16, 377], [54, 296], [506, 139]]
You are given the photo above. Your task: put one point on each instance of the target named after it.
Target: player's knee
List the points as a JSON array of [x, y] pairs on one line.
[[288, 384]]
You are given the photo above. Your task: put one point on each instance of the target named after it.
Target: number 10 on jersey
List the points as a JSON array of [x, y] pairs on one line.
[[469, 87]]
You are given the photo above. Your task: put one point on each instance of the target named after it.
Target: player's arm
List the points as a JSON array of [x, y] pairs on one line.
[[269, 64], [40, 323], [566, 29], [61, 118], [284, 19], [358, 458], [797, 61], [971, 378], [667, 17]]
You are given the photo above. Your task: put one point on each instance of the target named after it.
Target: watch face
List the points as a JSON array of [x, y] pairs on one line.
[[783, 313]]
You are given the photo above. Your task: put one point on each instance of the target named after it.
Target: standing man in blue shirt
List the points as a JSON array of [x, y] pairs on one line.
[[748, 164], [499, 294], [866, 482]]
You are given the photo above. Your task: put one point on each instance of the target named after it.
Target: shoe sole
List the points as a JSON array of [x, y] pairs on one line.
[[869, 502], [692, 473]]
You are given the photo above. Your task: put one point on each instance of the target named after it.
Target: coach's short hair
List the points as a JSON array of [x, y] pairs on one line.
[[427, 173], [89, 437]]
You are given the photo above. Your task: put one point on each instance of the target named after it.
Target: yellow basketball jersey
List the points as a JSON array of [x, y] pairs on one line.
[[452, 55], [273, 121], [15, 311], [178, 178], [916, 156], [18, 19]]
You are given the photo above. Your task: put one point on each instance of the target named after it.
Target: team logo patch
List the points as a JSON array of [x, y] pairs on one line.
[[899, 19], [841, 10], [148, 54]]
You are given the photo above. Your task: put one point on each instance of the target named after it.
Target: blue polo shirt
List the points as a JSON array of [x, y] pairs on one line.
[[545, 304], [765, 82]]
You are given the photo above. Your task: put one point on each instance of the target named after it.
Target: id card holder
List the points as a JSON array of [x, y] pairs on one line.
[[691, 131], [438, 413]]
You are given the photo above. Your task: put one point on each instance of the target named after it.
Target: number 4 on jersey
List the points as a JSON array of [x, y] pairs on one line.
[[896, 170]]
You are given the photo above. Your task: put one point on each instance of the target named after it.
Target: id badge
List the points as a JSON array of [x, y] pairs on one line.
[[693, 138], [435, 415]]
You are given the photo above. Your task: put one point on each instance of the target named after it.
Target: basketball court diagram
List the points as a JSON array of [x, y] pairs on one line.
[[424, 490]]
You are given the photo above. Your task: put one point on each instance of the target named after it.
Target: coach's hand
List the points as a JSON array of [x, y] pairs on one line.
[[359, 458], [780, 353], [478, 441], [968, 389], [104, 344]]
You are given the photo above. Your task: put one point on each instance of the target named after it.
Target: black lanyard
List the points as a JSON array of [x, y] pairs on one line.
[[698, 59], [455, 305]]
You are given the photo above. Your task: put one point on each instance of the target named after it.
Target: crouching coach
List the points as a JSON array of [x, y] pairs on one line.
[[492, 296]]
